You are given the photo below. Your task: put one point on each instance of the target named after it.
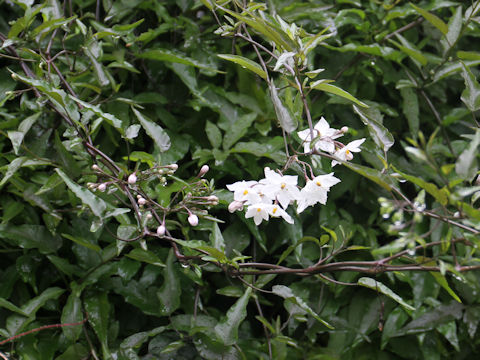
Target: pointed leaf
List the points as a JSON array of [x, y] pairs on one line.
[[169, 293], [287, 293], [466, 165], [322, 86], [378, 286], [245, 63], [96, 204], [16, 137], [284, 115], [155, 131], [471, 94], [380, 134], [432, 19], [227, 330]]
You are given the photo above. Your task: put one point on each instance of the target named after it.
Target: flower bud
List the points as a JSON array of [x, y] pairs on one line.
[[148, 216], [141, 201], [344, 129], [172, 167], [235, 205], [161, 230], [213, 199], [193, 219], [91, 185], [102, 187], [203, 170], [95, 167], [132, 179]]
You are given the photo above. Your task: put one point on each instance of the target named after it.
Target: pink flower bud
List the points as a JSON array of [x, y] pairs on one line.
[[213, 199], [149, 216], [132, 179], [141, 201], [193, 219], [344, 129], [235, 205], [95, 167], [161, 230], [172, 167], [203, 170], [102, 187]]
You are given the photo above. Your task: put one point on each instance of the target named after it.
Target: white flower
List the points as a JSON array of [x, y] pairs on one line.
[[277, 211], [323, 137], [282, 188], [259, 212], [243, 191], [315, 191], [345, 153]]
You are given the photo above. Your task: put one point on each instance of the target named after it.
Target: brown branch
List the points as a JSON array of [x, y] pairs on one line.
[[45, 327]]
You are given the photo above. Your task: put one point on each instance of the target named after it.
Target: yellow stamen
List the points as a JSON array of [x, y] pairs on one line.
[[245, 192], [258, 209], [347, 152], [318, 183], [274, 210], [283, 186]]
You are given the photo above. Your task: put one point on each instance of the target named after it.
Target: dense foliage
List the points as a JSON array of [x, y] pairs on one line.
[[116, 241]]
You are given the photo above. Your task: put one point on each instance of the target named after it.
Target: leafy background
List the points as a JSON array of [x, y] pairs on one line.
[[143, 80]]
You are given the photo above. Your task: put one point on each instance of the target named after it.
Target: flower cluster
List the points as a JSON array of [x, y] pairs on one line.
[[324, 140], [272, 195]]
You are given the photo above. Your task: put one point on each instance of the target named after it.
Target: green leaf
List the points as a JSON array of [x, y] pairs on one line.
[[284, 114], [145, 256], [96, 204], [380, 134], [442, 281], [174, 57], [454, 27], [28, 236], [12, 169], [214, 135], [216, 238], [441, 195], [267, 28], [169, 293], [238, 129], [97, 66], [466, 165], [471, 94], [323, 86], [432, 19], [98, 308], [72, 313], [11, 307], [16, 137], [411, 109], [155, 131], [378, 286], [109, 118], [245, 63], [287, 293], [227, 329], [410, 50], [66, 159], [374, 175]]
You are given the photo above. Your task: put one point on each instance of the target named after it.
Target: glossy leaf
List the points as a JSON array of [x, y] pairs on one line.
[[155, 131], [227, 330], [245, 63], [378, 286], [322, 86]]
